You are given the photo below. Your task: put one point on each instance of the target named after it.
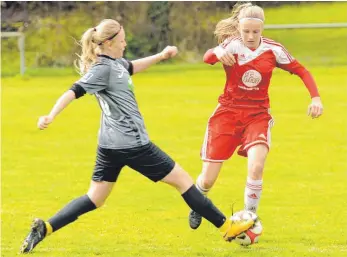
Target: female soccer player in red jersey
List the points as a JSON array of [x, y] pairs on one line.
[[242, 116]]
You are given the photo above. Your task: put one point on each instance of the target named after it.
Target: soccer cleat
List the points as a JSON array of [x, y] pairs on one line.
[[235, 228], [37, 234], [194, 219]]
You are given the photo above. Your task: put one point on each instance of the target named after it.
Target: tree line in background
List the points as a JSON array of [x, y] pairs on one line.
[[52, 28]]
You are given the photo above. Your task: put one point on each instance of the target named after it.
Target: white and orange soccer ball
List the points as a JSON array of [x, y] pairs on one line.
[[251, 236]]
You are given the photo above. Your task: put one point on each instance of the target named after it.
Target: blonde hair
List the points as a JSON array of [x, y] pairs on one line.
[[92, 43], [228, 27]]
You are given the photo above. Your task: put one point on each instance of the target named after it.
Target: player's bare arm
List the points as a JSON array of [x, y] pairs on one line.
[[143, 63], [60, 105]]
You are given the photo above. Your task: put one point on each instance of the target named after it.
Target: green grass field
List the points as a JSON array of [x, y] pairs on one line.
[[303, 206]]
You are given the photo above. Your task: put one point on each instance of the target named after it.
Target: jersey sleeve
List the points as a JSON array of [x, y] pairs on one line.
[[229, 44], [127, 65], [78, 90], [282, 55], [286, 62], [210, 57], [96, 79]]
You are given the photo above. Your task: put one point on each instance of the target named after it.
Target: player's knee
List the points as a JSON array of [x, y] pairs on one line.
[[206, 182], [256, 170]]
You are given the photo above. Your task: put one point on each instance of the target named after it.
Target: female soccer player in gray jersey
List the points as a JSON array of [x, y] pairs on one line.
[[123, 140]]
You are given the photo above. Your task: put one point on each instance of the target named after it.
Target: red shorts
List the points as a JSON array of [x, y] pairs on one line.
[[229, 128]]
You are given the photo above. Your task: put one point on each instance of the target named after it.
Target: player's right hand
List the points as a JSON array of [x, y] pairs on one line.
[[224, 56], [169, 52], [44, 121]]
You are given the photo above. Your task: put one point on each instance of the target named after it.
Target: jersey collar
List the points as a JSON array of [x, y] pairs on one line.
[[260, 45], [106, 56]]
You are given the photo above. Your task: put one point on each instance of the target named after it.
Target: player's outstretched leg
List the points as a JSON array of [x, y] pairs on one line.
[[70, 213], [228, 228], [36, 235], [195, 218], [204, 184]]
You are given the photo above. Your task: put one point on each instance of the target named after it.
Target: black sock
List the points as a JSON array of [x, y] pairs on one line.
[[202, 205], [71, 212]]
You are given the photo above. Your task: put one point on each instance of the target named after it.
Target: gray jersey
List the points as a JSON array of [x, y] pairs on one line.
[[122, 125]]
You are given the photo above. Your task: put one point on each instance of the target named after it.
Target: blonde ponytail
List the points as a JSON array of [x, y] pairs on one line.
[[229, 27], [88, 55], [92, 43]]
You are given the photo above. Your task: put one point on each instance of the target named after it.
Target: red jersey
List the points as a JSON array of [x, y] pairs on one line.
[[248, 80]]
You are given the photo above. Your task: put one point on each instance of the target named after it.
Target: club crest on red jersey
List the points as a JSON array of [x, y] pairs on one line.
[[251, 80]]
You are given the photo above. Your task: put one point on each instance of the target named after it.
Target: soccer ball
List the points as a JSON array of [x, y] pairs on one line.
[[251, 236]]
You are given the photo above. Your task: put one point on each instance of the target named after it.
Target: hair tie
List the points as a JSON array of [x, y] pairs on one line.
[[111, 37], [255, 19]]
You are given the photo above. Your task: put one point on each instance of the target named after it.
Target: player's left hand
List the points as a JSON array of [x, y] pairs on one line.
[[315, 109], [169, 52]]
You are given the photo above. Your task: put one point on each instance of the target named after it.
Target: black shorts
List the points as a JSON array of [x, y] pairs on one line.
[[148, 160]]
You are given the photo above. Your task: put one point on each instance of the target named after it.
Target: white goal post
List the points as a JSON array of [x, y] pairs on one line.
[[21, 40]]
